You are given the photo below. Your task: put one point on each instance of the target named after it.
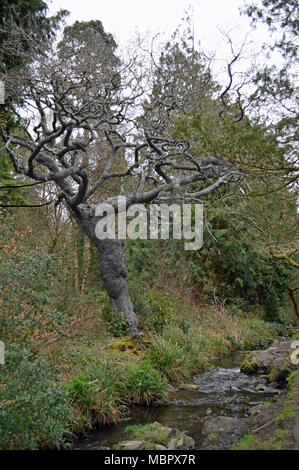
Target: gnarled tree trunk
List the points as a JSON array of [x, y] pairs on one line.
[[114, 272]]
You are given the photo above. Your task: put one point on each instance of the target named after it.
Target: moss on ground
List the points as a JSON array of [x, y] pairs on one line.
[[272, 428], [148, 434]]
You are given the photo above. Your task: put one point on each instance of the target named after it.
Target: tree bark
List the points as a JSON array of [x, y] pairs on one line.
[[114, 272], [293, 299]]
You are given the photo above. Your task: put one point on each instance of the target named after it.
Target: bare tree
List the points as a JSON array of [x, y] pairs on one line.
[[80, 95]]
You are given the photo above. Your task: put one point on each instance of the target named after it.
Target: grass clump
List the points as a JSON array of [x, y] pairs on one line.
[[243, 444], [176, 354], [114, 320], [143, 384], [81, 390], [249, 366], [181, 351], [102, 389], [281, 440], [290, 407], [97, 389]]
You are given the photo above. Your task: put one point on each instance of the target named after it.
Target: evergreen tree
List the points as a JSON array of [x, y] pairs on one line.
[[23, 25]]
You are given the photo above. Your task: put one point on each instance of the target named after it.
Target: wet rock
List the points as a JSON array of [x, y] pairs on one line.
[[221, 432], [160, 447], [267, 390], [172, 444], [180, 442], [260, 388], [160, 403], [273, 361], [168, 432], [235, 389], [188, 387], [188, 442], [130, 445], [271, 391]]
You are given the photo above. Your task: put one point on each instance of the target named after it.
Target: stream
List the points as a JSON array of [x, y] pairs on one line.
[[222, 390]]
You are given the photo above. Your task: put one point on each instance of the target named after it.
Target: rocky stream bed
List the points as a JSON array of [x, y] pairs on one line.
[[211, 413]]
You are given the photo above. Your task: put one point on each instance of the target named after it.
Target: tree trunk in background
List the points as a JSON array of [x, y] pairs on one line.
[[293, 299], [87, 258], [76, 261]]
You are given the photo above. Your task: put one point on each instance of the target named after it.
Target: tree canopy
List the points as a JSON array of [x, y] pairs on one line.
[[168, 121]]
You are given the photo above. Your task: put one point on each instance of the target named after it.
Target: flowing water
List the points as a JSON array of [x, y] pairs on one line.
[[222, 390]]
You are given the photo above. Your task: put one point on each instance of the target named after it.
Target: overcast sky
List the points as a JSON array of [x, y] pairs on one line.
[[122, 17]]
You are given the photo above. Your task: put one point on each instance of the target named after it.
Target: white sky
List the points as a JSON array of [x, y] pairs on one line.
[[123, 17]]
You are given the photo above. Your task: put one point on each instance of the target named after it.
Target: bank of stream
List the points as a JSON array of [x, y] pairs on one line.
[[220, 391]]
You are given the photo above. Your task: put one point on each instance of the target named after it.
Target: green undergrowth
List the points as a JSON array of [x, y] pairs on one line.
[[275, 428], [291, 404], [109, 375], [98, 372], [105, 376], [104, 387], [35, 411], [184, 349]]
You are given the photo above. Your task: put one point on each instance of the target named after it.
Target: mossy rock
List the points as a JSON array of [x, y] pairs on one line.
[[279, 376], [123, 344], [249, 366], [273, 361], [155, 436]]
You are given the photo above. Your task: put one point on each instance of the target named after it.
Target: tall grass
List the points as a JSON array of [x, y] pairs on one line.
[[143, 384], [180, 352], [178, 355], [102, 390], [97, 390]]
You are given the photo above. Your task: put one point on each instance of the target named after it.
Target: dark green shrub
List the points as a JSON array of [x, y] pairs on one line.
[[155, 310], [27, 281], [143, 258], [34, 410], [245, 274]]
